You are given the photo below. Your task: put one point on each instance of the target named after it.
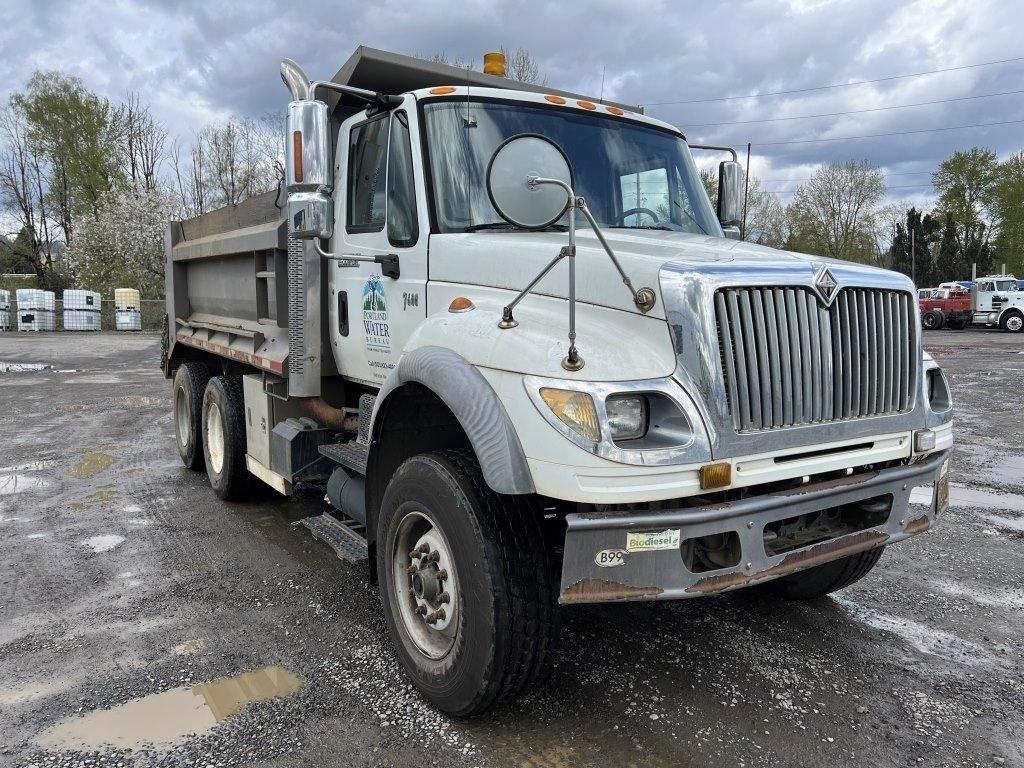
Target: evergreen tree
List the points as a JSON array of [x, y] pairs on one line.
[[949, 261]]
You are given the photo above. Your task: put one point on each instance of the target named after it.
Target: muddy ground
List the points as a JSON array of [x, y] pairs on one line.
[[123, 576]]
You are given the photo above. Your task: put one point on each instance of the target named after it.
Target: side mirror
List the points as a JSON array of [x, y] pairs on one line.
[[310, 215], [730, 197], [515, 164]]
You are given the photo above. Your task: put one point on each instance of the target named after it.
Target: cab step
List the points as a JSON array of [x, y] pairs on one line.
[[348, 543], [351, 455]]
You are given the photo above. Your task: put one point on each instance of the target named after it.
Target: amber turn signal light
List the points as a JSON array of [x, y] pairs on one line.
[[715, 475]]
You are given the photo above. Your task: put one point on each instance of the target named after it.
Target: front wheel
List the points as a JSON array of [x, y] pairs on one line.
[[467, 584], [933, 320], [1013, 322]]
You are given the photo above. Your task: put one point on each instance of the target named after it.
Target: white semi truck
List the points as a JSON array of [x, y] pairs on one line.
[[534, 366]]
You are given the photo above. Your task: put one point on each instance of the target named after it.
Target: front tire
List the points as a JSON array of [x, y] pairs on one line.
[[224, 443], [825, 578], [467, 584], [187, 407], [933, 320], [1012, 322]]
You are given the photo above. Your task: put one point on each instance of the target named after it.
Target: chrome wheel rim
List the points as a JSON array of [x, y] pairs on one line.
[[215, 437], [425, 585], [1014, 324], [182, 417]]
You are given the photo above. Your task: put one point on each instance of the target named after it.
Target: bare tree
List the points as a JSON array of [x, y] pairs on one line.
[[145, 143], [836, 213], [22, 191], [521, 66]]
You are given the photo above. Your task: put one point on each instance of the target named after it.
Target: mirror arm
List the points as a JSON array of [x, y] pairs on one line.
[[645, 297], [507, 321], [388, 262]]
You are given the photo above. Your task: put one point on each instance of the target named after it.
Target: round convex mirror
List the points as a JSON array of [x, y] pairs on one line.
[[513, 163]]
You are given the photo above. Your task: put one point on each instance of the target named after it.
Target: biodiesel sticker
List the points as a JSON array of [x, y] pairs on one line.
[[650, 541], [375, 316]]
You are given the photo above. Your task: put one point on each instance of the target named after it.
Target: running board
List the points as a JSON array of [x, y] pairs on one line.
[[351, 455], [348, 544]]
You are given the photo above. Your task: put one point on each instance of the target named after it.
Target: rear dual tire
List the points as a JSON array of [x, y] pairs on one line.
[[190, 382], [224, 441]]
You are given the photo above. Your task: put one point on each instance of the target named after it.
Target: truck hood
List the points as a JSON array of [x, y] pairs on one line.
[[510, 260]]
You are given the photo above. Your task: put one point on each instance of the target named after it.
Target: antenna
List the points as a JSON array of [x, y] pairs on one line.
[[468, 121], [601, 100]]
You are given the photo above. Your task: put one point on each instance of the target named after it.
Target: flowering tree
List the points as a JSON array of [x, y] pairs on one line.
[[124, 244]]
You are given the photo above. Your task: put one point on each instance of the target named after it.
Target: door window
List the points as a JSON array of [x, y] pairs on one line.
[[403, 228], [367, 174]]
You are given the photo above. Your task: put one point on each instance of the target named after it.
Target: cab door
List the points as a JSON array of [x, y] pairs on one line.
[[380, 211]]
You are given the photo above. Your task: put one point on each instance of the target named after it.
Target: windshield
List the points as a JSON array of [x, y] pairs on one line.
[[1006, 285], [631, 175]]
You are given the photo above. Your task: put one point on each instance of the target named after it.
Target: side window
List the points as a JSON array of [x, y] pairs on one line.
[[367, 171], [403, 227]]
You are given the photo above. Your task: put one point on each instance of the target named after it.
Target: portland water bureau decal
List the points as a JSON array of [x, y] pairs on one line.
[[375, 316]]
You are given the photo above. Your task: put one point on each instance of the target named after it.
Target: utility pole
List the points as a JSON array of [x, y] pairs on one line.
[[746, 188], [913, 258]]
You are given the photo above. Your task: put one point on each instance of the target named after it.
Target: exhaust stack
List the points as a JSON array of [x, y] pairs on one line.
[[308, 180]]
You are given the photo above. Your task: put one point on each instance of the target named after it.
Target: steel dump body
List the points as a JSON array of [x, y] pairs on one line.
[[227, 283]]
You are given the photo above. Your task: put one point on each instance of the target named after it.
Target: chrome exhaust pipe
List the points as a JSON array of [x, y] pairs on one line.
[[295, 79]]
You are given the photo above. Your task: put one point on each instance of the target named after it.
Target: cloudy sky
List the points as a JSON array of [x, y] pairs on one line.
[[200, 61]]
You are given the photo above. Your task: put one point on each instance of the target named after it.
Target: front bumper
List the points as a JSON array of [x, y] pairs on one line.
[[659, 573]]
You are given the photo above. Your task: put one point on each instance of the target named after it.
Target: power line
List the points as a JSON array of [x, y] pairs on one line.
[[787, 181], [905, 186], [835, 85], [891, 133], [856, 111]]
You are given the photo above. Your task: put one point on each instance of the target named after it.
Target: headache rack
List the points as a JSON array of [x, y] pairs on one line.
[[789, 361]]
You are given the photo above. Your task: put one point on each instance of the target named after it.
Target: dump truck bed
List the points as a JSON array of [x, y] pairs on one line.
[[227, 283]]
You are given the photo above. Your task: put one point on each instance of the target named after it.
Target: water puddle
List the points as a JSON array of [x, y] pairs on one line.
[[6, 367], [1006, 523], [974, 498], [171, 716], [92, 463], [17, 482], [103, 543], [925, 639]]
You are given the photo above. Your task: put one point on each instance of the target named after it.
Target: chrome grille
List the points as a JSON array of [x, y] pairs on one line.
[[787, 360]]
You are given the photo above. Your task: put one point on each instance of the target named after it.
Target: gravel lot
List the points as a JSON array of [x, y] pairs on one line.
[[124, 576]]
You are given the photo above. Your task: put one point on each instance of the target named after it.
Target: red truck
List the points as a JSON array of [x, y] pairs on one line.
[[946, 308]]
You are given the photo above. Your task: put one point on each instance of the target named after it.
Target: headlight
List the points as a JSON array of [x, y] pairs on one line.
[[651, 422], [574, 409], [627, 416]]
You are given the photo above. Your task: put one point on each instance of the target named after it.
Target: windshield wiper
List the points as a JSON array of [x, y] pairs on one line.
[[643, 226], [507, 225]]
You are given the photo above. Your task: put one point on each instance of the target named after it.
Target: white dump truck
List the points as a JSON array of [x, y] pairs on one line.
[[534, 366]]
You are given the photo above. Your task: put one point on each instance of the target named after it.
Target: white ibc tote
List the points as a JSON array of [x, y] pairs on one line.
[[35, 309], [81, 310], [127, 309], [127, 298], [128, 320]]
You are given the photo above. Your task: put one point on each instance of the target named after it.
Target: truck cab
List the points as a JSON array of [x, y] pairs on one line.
[[533, 365], [998, 300]]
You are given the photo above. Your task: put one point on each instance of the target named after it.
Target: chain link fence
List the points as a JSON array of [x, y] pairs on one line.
[[151, 317]]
